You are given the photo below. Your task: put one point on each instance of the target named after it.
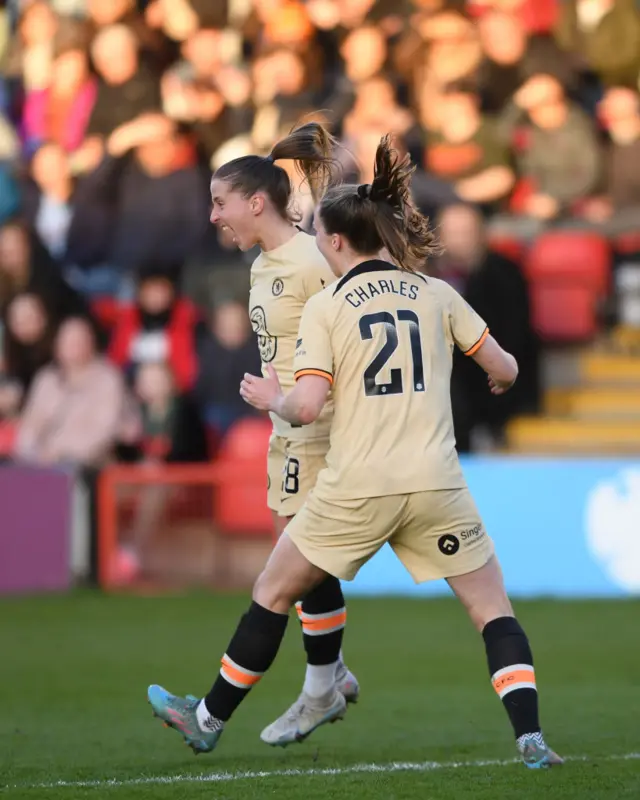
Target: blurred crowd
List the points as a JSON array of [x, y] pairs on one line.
[[520, 114]]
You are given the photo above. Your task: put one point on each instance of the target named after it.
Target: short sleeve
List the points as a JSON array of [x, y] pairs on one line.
[[315, 277], [313, 347], [468, 329]]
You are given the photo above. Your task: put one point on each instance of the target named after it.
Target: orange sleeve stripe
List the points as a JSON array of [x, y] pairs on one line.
[[478, 344], [319, 372]]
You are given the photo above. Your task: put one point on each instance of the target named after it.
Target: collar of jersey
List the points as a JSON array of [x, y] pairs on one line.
[[374, 265]]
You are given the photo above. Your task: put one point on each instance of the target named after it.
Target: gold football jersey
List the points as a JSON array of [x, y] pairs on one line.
[[282, 280], [384, 338]]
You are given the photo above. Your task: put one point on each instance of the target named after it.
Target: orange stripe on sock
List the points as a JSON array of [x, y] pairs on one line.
[[299, 611], [238, 675], [513, 679], [327, 623]]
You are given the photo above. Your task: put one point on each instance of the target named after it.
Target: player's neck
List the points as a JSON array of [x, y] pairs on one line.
[[277, 232], [352, 262]]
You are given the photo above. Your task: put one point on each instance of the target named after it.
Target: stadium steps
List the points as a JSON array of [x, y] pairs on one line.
[[610, 369], [594, 402], [571, 436], [591, 404]]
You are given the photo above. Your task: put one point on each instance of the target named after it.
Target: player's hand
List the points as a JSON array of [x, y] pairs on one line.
[[261, 393], [499, 387]]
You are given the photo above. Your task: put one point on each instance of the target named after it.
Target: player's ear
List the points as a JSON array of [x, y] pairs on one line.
[[256, 204], [336, 242]]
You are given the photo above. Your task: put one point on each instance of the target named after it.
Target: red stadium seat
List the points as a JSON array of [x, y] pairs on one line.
[[627, 243], [569, 274], [563, 313], [241, 498], [581, 257]]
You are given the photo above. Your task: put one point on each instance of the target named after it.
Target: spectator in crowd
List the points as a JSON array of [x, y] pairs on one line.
[[559, 158], [604, 37], [127, 88], [27, 343], [31, 51], [26, 266], [59, 112], [620, 114], [77, 408], [159, 326], [225, 354], [511, 57], [496, 289], [172, 426], [160, 194], [466, 149], [70, 217]]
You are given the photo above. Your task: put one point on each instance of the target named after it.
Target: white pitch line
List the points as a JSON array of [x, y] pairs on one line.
[[354, 769]]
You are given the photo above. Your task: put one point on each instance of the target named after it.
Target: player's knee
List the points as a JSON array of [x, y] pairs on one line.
[[274, 592], [483, 615]]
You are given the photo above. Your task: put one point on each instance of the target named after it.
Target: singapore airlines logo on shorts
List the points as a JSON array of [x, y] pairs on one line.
[[267, 344]]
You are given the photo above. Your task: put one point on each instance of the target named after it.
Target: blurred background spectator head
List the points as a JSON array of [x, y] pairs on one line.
[[619, 111], [453, 50], [154, 383], [115, 54], [70, 70], [107, 12], [27, 319], [230, 324], [364, 51], [50, 170], [281, 72], [461, 233], [503, 37], [177, 18], [38, 24], [203, 51], [544, 99], [156, 292], [15, 252], [158, 153], [459, 114], [288, 24], [75, 344]]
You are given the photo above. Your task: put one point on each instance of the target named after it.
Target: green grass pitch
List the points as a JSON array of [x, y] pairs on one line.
[[74, 672]]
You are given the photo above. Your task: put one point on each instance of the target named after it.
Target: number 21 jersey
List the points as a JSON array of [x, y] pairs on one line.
[[384, 338]]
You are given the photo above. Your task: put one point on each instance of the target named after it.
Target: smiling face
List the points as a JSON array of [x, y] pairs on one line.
[[235, 214]]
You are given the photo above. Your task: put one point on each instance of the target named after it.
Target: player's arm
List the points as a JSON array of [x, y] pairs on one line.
[[500, 366], [301, 406], [471, 334]]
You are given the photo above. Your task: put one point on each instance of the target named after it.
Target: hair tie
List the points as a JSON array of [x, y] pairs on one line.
[[364, 191], [269, 158]]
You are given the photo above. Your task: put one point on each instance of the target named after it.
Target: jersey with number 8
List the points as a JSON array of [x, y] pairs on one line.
[[384, 338]]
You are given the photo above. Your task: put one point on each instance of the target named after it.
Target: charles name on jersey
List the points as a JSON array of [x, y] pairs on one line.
[[361, 294]]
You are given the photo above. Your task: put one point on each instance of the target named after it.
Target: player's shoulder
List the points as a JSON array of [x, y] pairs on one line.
[[441, 290]]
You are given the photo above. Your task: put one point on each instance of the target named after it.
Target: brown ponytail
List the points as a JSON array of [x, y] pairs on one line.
[[382, 214], [310, 146]]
